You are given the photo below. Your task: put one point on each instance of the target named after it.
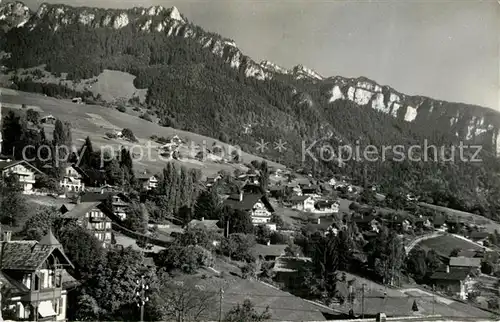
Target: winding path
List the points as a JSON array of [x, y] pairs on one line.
[[417, 240]]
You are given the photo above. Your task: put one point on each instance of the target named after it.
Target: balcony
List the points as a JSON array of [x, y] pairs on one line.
[[46, 294], [97, 219]]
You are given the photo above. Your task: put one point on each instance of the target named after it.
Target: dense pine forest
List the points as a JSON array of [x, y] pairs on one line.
[[192, 89]]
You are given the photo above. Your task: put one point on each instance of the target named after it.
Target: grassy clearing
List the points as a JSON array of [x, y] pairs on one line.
[[443, 245]]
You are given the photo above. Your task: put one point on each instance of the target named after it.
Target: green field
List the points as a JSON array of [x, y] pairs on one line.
[[443, 245]]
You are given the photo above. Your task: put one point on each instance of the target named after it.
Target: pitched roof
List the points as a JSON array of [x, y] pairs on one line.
[[290, 264], [467, 253], [28, 255], [477, 235], [208, 224], [465, 262], [269, 250], [453, 275], [79, 210], [49, 240], [249, 200], [8, 164]]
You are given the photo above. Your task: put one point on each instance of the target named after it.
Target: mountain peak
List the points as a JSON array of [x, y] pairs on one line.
[[300, 72], [272, 67], [175, 14], [14, 14]]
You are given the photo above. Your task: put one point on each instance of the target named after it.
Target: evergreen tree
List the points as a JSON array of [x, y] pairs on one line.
[[208, 205]]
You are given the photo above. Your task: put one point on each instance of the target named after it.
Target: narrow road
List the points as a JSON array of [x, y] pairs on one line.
[[417, 240]]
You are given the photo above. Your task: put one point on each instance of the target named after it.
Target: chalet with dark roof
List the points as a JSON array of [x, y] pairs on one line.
[[269, 252], [254, 201], [302, 203], [119, 201], [35, 275], [93, 215], [148, 181], [453, 281], [479, 236]]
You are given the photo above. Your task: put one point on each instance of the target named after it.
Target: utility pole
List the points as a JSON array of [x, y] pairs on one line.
[[221, 296], [363, 301], [141, 296]]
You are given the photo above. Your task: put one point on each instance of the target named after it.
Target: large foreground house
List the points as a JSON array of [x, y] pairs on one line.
[[254, 201], [24, 171], [34, 276]]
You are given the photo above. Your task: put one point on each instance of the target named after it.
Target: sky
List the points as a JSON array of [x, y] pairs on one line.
[[443, 49]]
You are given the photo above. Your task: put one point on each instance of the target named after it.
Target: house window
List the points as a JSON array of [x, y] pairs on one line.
[[27, 281], [58, 279], [58, 304]]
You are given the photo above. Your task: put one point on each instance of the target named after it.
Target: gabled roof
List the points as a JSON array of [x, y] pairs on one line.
[[269, 250], [478, 235], [207, 224], [29, 255], [4, 165], [98, 196], [79, 210], [465, 262], [249, 200], [49, 240], [453, 275]]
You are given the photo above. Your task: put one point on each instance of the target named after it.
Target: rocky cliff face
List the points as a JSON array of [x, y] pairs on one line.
[[467, 123], [13, 14]]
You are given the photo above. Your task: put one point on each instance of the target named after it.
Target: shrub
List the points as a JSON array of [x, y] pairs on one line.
[[122, 109], [146, 117], [129, 135], [111, 135]]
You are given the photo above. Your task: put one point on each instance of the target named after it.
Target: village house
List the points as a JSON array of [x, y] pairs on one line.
[[24, 171], [49, 119], [326, 206], [302, 203], [92, 215], [269, 252], [368, 223], [309, 189], [147, 181], [294, 188], [474, 264], [77, 100], [454, 281], [479, 236], [254, 201], [423, 223], [119, 201], [326, 225], [439, 222], [34, 275], [212, 180], [72, 180]]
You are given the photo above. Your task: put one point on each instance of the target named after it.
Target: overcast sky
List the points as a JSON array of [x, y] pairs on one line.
[[443, 49]]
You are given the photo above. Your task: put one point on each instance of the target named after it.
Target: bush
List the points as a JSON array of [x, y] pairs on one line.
[[146, 117], [122, 109], [129, 135], [111, 135]]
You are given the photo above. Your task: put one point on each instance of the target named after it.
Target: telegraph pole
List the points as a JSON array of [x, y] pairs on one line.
[[221, 296], [363, 301], [141, 296]]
